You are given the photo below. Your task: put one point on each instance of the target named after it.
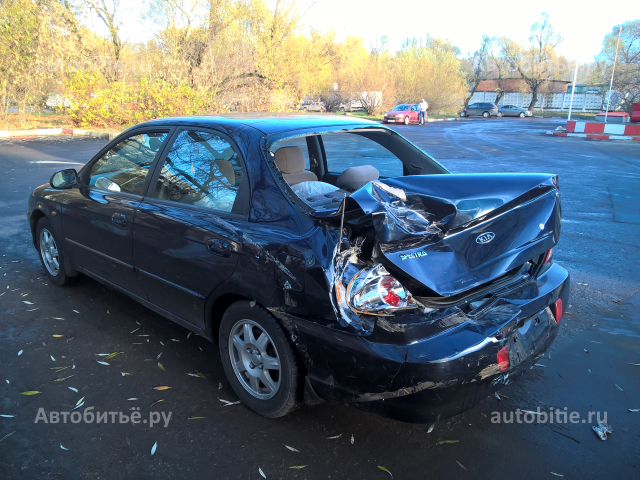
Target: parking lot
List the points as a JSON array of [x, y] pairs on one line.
[[588, 369]]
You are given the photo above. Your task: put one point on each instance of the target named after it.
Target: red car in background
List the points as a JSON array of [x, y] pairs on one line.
[[404, 113]]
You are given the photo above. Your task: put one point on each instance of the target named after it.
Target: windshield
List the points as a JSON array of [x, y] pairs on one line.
[[400, 108]]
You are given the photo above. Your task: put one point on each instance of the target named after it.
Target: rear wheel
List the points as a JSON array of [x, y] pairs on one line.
[[51, 254], [500, 114], [258, 360], [406, 120], [486, 114], [463, 114]]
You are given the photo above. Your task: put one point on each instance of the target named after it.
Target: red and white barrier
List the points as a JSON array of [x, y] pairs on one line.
[[603, 128]]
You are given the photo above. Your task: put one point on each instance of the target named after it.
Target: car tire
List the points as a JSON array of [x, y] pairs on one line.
[[243, 363], [486, 114], [522, 115], [406, 120], [52, 256], [463, 114], [499, 114]]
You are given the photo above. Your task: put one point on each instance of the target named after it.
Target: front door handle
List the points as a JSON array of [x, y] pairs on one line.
[[219, 247], [119, 219]]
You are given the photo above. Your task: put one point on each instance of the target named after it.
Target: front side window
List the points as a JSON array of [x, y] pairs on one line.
[[201, 169], [125, 166]]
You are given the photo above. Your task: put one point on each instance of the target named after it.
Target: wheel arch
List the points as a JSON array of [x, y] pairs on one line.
[[33, 223]]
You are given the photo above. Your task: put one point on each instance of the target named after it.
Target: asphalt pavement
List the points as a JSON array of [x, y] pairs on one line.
[[44, 327]]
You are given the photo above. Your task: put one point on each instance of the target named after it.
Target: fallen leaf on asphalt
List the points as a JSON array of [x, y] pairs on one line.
[[57, 336], [162, 344], [189, 335], [79, 401], [201, 375], [497, 396], [30, 392], [7, 416], [78, 406], [155, 403], [102, 363], [159, 355], [74, 367], [175, 340], [484, 415], [219, 385], [28, 303], [112, 355], [352, 439], [634, 409], [102, 354], [461, 466], [532, 412], [193, 375], [74, 389], [125, 374], [619, 388], [20, 352], [292, 449], [447, 441], [385, 470], [333, 438], [76, 311], [135, 330], [132, 399], [585, 350], [58, 369], [63, 379], [298, 467], [431, 428], [540, 365], [63, 447], [57, 318], [52, 358], [196, 418], [634, 364], [556, 474], [161, 367], [163, 387], [8, 382], [154, 448], [261, 473], [33, 309]]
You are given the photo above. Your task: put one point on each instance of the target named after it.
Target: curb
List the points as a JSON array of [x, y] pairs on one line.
[[57, 131], [592, 136], [453, 119]]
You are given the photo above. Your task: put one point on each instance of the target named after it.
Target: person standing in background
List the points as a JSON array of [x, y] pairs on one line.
[[422, 106]]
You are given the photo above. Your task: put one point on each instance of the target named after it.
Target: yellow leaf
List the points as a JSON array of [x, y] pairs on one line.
[[111, 355], [58, 336], [161, 367], [155, 403], [298, 467], [385, 470], [163, 387], [447, 441], [30, 392], [196, 418], [62, 379]]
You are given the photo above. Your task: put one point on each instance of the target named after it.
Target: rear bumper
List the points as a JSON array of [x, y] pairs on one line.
[[429, 369]]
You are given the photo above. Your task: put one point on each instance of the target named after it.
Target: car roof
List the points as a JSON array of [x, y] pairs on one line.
[[268, 123]]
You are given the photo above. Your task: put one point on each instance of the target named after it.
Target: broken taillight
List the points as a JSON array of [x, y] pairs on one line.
[[375, 291], [503, 358], [548, 256], [556, 308]]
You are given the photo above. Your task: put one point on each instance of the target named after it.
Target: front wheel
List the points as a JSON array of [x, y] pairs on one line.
[[406, 120], [486, 115], [51, 254], [463, 114], [258, 360], [522, 115], [499, 114]]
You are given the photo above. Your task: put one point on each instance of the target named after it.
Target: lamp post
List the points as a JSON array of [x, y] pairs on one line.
[[573, 91], [615, 59]]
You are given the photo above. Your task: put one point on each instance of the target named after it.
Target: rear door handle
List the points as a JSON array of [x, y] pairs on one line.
[[219, 247], [119, 219]]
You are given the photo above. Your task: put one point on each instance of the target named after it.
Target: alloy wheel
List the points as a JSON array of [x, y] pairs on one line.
[[254, 359], [49, 252]]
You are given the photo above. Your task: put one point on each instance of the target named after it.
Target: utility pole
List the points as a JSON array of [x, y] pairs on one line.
[[615, 59], [573, 91]]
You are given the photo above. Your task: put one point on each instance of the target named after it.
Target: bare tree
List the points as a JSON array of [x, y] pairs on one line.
[[475, 68], [107, 12], [534, 62]]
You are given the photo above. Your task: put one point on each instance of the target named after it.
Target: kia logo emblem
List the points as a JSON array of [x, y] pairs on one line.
[[485, 237]]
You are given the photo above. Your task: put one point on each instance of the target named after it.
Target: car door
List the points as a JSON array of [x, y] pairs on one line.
[[188, 229], [472, 109], [97, 217], [509, 111], [414, 116]]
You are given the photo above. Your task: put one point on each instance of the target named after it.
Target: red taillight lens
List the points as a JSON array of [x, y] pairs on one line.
[[548, 256], [556, 308], [387, 286], [503, 358]]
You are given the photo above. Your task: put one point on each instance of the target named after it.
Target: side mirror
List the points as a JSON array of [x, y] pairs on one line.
[[62, 179]]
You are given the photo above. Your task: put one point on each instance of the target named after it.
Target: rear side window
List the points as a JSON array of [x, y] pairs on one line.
[[294, 142], [344, 150], [125, 166], [201, 169]]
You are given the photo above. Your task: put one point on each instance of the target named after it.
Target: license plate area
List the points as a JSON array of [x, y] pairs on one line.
[[533, 333]]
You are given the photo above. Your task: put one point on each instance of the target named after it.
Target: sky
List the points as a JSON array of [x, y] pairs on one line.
[[583, 24]]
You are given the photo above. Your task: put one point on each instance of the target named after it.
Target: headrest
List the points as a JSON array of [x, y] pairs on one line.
[[290, 159], [354, 178], [226, 170]]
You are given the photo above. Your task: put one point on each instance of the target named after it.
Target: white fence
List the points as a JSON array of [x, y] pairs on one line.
[[585, 102]]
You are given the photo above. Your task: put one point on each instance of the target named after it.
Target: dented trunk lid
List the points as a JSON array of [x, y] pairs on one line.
[[455, 232]]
